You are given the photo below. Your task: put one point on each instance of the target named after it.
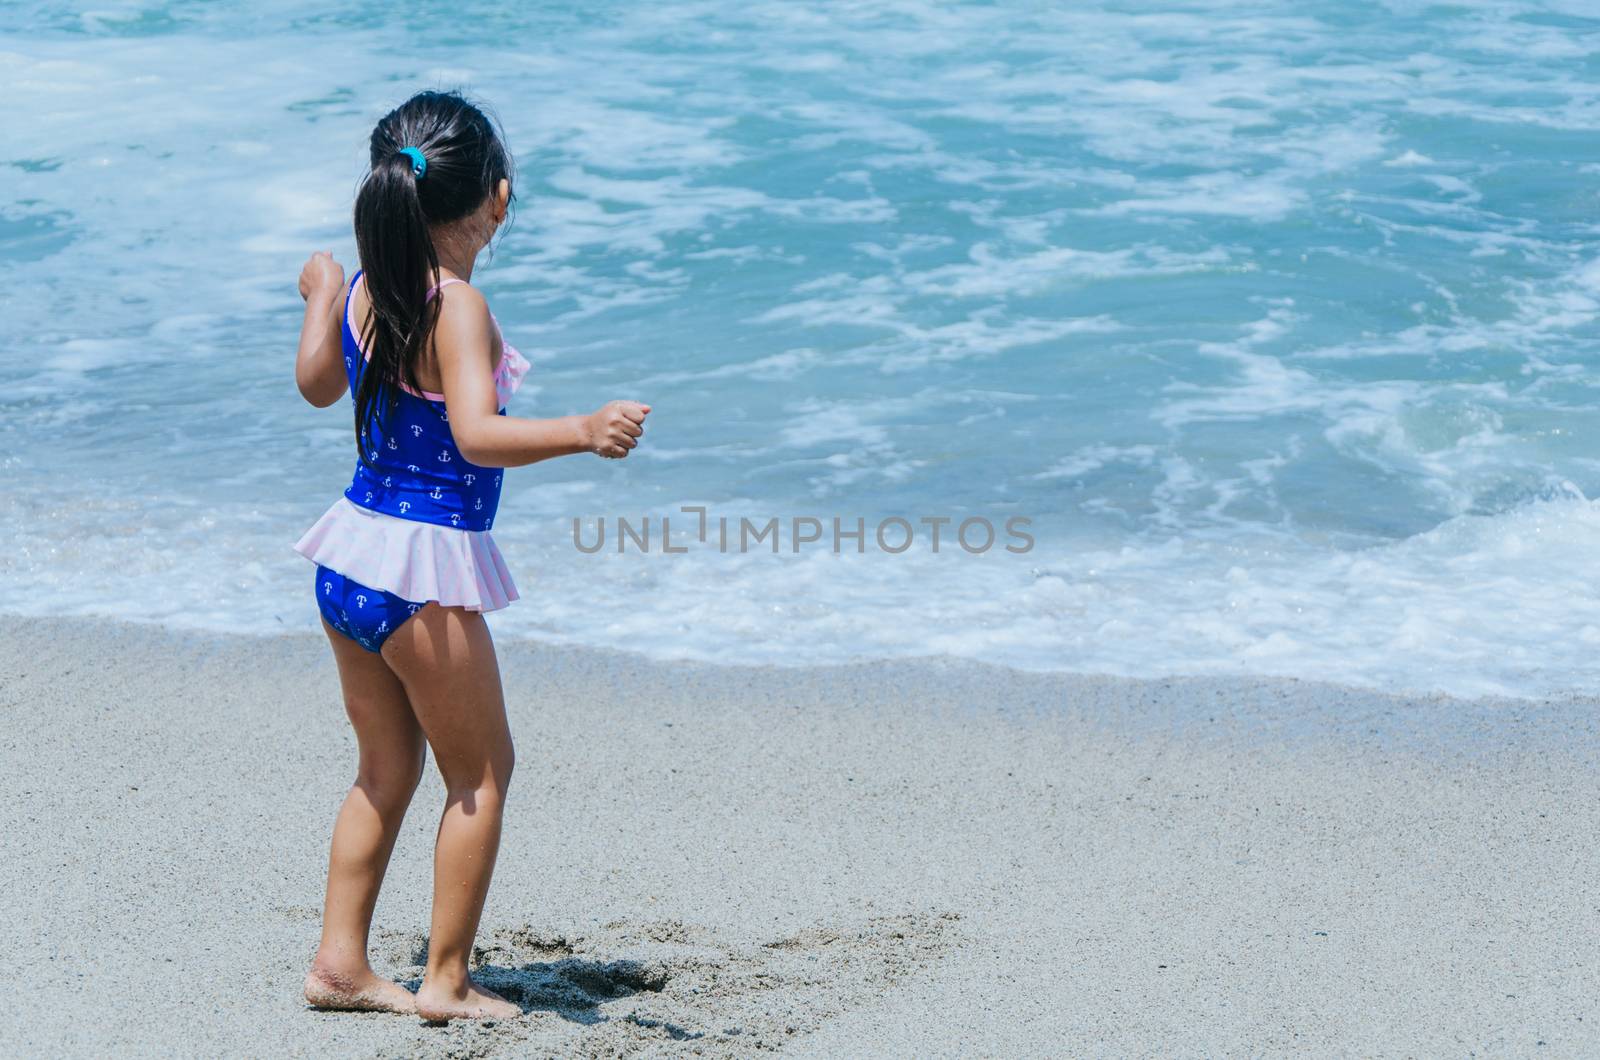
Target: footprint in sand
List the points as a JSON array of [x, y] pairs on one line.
[[644, 987]]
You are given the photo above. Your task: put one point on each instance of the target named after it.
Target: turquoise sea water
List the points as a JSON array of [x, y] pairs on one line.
[[1278, 320]]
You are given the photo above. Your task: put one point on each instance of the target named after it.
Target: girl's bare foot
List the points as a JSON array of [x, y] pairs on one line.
[[469, 1002], [362, 991]]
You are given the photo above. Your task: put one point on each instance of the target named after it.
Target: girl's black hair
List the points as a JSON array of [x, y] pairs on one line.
[[466, 159]]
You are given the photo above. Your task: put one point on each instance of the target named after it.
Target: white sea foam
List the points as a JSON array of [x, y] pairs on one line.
[[1408, 615]]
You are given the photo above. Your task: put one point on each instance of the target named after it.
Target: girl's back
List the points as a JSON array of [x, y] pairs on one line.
[[413, 467]]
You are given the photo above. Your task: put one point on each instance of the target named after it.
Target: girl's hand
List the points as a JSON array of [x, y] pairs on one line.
[[321, 276], [615, 428]]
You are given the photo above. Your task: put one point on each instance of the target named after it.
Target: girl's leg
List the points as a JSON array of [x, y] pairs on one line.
[[445, 659], [391, 752]]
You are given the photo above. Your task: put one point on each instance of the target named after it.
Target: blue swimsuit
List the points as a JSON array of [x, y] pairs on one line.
[[360, 612], [413, 526]]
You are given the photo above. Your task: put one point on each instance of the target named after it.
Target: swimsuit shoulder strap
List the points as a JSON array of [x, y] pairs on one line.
[[350, 302], [436, 288]]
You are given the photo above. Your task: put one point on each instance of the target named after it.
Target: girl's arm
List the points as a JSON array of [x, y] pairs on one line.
[[464, 347], [319, 366]]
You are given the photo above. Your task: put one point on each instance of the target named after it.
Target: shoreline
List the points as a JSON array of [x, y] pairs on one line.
[[514, 642], [929, 858]]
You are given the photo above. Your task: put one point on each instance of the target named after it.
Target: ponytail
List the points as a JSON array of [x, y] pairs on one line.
[[400, 264], [434, 159]]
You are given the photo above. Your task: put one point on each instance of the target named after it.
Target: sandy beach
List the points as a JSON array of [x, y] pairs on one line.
[[911, 859]]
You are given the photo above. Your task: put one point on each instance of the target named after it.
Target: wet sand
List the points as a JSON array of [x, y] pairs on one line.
[[925, 858]]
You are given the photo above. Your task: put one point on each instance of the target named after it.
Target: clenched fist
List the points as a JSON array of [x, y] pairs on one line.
[[321, 275], [616, 428]]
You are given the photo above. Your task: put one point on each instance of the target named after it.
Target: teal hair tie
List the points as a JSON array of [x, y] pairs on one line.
[[419, 162]]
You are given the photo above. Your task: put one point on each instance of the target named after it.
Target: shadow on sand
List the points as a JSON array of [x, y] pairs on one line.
[[573, 988]]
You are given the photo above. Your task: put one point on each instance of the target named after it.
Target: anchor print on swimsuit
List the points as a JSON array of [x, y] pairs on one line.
[[412, 525], [365, 615], [417, 471]]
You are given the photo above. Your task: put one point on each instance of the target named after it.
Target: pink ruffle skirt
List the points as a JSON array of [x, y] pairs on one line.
[[416, 561]]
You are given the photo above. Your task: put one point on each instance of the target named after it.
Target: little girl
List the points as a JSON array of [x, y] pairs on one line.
[[405, 564]]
